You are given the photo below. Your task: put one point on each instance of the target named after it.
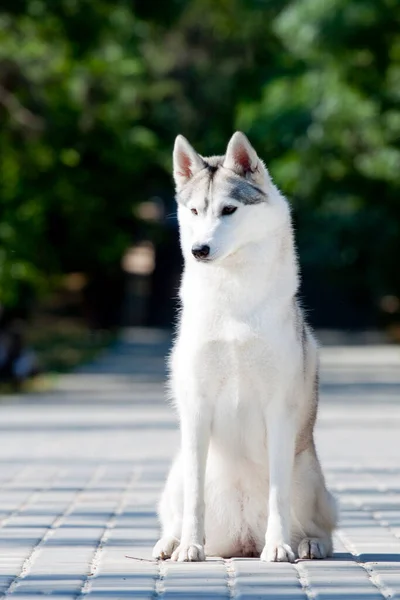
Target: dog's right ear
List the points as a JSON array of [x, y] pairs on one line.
[[186, 161]]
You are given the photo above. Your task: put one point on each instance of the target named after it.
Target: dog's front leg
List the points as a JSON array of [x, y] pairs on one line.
[[281, 446], [195, 438]]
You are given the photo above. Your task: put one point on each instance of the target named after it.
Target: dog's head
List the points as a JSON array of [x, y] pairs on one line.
[[225, 202]]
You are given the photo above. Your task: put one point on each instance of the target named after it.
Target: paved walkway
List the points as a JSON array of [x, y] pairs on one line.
[[81, 470]]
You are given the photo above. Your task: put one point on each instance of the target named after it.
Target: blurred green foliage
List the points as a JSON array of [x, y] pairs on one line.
[[93, 92]]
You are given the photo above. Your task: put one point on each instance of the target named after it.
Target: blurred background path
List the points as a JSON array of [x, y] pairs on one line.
[[82, 466]]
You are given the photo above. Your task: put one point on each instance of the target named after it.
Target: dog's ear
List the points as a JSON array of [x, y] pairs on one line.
[[240, 156], [186, 161]]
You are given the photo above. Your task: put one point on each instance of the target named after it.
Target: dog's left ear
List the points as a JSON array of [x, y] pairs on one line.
[[240, 156]]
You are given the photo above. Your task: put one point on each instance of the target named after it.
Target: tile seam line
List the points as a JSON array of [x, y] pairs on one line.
[[373, 576], [109, 525], [55, 524], [230, 577], [29, 498], [159, 587], [304, 580]]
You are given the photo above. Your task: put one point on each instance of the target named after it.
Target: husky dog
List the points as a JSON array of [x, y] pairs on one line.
[[247, 480]]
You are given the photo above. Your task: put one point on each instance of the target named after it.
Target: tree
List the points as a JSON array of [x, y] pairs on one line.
[[92, 94], [76, 154]]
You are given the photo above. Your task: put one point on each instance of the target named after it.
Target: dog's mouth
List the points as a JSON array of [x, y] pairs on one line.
[[203, 260]]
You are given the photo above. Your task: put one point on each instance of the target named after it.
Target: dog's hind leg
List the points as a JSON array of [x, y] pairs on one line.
[[314, 511], [319, 544], [170, 511]]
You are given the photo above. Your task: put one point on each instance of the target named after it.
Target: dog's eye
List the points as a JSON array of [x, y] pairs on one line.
[[194, 211], [228, 210]]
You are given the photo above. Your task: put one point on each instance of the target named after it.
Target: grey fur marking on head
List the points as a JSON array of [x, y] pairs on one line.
[[245, 192], [236, 187]]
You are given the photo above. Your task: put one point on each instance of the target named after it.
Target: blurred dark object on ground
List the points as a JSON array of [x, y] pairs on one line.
[[18, 362]]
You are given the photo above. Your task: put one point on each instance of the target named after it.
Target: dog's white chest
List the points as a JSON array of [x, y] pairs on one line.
[[242, 376], [236, 367]]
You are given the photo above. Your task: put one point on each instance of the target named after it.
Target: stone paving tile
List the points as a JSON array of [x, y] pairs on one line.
[[204, 580], [254, 579], [333, 581], [81, 469]]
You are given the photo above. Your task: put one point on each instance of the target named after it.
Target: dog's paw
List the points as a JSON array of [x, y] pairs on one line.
[[312, 548], [165, 547], [189, 553], [277, 553]]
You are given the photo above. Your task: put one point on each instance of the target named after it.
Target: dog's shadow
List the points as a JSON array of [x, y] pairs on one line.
[[370, 557]]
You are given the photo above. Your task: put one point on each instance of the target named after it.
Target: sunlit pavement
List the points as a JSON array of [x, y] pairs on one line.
[[81, 469]]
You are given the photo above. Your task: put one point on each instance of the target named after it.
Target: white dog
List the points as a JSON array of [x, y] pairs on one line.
[[244, 374]]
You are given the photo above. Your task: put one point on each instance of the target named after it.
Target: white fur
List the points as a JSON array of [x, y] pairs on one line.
[[247, 480]]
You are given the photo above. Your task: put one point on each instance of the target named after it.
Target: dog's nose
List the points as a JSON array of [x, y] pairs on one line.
[[201, 251]]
